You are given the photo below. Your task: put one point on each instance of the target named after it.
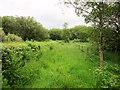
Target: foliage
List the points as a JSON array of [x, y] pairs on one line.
[[81, 32], [66, 35], [25, 27], [9, 37], [114, 16], [106, 78], [112, 39], [55, 34], [78, 32], [12, 38], [14, 59]]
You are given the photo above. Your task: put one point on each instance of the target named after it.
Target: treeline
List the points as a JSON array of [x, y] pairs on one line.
[[27, 28], [81, 33], [88, 34]]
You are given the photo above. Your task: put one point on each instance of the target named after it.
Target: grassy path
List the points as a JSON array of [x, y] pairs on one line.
[[61, 65]]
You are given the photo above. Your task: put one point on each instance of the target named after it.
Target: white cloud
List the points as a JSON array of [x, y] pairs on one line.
[[46, 12]]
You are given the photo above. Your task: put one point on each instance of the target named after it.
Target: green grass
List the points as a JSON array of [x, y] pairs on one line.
[[62, 65]]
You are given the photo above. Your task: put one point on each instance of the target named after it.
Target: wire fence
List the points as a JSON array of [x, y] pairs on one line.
[[92, 53]]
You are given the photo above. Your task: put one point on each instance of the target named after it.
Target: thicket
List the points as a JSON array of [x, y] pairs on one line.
[[13, 60]]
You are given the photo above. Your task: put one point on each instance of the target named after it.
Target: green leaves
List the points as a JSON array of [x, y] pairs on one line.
[[55, 34], [106, 78], [26, 27], [15, 58]]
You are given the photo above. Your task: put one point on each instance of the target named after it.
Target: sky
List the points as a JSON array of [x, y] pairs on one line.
[[48, 12]]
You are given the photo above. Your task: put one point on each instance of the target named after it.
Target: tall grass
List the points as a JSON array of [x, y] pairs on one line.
[[62, 65]]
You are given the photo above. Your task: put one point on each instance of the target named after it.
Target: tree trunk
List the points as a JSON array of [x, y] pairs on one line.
[[101, 49], [101, 23]]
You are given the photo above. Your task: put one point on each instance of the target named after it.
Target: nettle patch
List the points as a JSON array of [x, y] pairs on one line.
[[15, 58]]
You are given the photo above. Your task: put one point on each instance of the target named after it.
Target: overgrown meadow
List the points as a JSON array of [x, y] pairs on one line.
[[56, 64]]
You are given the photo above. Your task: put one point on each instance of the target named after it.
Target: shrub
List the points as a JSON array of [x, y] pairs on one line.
[[13, 60], [11, 38], [106, 78]]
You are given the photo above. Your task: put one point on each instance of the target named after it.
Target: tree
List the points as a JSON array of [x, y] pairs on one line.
[[55, 34], [65, 25], [81, 32], [95, 12], [26, 27], [114, 25], [66, 33], [114, 16]]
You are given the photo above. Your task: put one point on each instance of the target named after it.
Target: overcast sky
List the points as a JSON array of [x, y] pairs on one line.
[[48, 12]]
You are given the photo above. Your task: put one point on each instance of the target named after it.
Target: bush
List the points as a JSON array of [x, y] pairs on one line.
[[13, 60], [106, 78], [14, 37], [11, 38]]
